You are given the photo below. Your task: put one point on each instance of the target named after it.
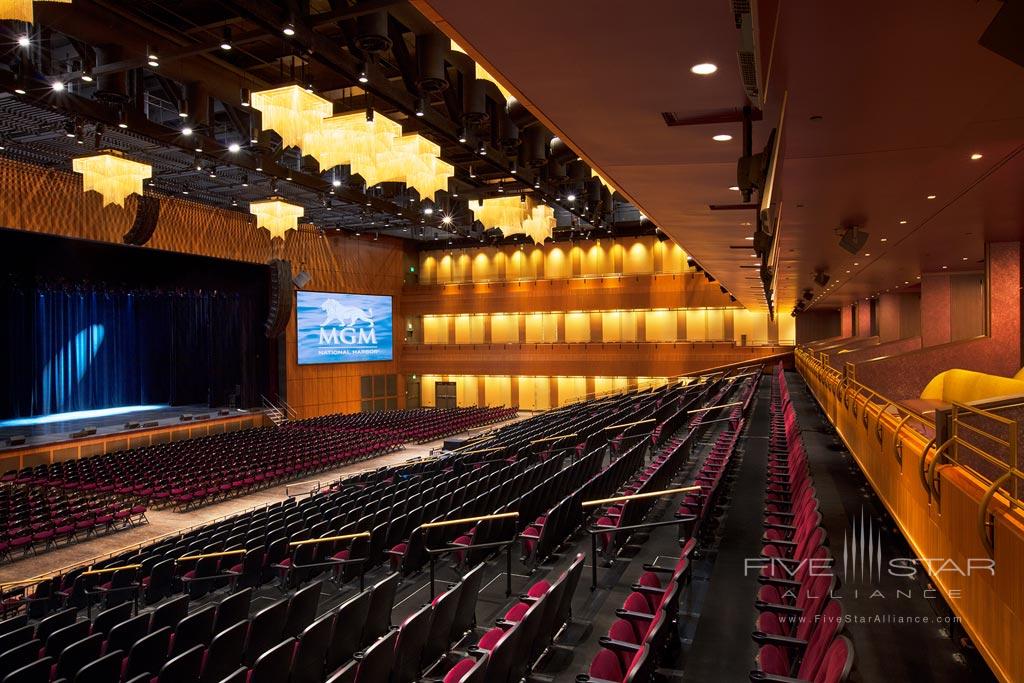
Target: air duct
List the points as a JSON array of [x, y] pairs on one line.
[[534, 151], [431, 49], [561, 152], [110, 86], [372, 32]]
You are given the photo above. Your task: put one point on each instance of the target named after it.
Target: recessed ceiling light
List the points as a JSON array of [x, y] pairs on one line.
[[704, 69], [735, 188], [847, 271], [884, 239], [336, 183], [234, 147], [288, 30], [23, 41], [856, 264], [58, 86], [975, 156], [20, 91], [749, 239], [722, 137], [867, 254], [945, 267], [186, 131], [964, 258], [931, 196]]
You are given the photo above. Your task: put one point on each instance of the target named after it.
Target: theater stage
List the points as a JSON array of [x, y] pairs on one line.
[[59, 427]]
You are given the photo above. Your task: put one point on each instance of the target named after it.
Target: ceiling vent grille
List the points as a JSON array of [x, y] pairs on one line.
[[747, 53], [748, 73], [739, 8]]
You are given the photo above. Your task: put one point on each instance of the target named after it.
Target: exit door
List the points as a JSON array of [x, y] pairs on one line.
[[444, 395]]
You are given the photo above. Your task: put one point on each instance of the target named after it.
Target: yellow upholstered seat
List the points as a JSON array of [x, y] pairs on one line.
[[1020, 374], [965, 386]]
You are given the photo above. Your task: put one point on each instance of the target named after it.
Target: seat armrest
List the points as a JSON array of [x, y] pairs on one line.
[[762, 606], [617, 645], [762, 638], [626, 614], [762, 677]]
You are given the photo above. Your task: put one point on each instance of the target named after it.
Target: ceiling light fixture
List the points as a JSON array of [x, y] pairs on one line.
[[234, 147], [703, 69], [24, 41], [186, 131], [288, 29], [226, 43], [87, 74], [735, 188], [363, 77], [931, 196], [975, 156], [58, 86], [152, 58], [722, 137]]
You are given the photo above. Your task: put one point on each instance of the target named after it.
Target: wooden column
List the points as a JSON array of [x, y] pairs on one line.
[[681, 325]]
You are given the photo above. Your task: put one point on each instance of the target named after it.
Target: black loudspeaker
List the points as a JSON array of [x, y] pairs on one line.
[[280, 309], [16, 440], [88, 431], [187, 417], [808, 294], [147, 214], [821, 278], [301, 279], [132, 425], [223, 411], [151, 423], [853, 240], [201, 417]]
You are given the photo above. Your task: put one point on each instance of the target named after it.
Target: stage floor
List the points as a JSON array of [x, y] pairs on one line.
[[59, 427]]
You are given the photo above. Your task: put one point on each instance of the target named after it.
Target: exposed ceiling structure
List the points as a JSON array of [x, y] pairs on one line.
[[896, 121], [169, 84]]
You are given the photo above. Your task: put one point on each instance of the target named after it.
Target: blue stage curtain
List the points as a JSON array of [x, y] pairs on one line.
[[86, 347]]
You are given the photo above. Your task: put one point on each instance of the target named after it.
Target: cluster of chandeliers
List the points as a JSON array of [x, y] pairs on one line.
[[373, 147], [20, 10], [517, 214]]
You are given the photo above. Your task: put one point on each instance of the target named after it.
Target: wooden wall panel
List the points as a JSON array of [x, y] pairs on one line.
[[608, 359]]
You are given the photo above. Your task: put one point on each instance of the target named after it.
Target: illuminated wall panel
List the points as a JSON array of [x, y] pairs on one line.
[[577, 327], [427, 383], [639, 258], [660, 326], [557, 264], [607, 385], [485, 266], [541, 327], [696, 325], [618, 326], [505, 328], [498, 391], [462, 329], [571, 389], [715, 324], [435, 329], [534, 393], [466, 390], [754, 325], [787, 329]]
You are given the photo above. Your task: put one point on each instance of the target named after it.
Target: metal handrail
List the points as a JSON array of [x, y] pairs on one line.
[[332, 539], [637, 496], [855, 395], [107, 570], [205, 556], [481, 518]]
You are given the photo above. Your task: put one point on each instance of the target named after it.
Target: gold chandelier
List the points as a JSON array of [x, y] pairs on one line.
[[276, 215], [513, 215], [293, 112], [349, 139], [113, 176], [20, 10], [375, 149]]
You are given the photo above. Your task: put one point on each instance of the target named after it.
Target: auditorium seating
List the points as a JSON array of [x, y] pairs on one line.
[[198, 619], [192, 473], [799, 626], [38, 520]]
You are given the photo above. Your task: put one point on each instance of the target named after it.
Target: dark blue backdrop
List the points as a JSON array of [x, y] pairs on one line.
[[91, 326]]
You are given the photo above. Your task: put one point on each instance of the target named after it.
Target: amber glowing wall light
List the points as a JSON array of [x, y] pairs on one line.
[[112, 175], [276, 215], [20, 10]]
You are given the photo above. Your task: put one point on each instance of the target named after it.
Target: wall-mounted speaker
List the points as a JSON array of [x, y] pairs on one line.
[[280, 308], [147, 214], [853, 239], [821, 278], [132, 425], [151, 423], [301, 279], [16, 440]]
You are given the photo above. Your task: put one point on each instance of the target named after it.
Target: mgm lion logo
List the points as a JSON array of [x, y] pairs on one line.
[[346, 316]]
